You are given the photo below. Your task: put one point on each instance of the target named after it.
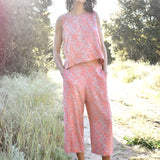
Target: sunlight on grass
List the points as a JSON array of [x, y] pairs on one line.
[[32, 116], [54, 76], [31, 112], [135, 92], [145, 77]]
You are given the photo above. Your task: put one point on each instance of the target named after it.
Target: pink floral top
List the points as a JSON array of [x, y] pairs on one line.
[[81, 41]]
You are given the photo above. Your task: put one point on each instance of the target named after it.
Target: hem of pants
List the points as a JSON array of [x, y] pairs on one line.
[[74, 151], [108, 154]]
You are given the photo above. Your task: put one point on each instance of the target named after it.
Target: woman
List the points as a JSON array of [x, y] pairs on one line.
[[84, 78]]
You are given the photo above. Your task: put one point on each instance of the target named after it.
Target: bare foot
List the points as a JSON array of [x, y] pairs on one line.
[[80, 156], [106, 157]]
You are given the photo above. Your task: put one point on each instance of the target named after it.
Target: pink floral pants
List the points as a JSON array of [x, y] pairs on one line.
[[86, 83]]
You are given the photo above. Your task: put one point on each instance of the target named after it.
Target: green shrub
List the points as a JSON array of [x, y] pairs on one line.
[[149, 142]]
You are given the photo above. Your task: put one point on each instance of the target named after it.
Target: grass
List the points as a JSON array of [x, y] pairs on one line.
[[143, 93], [31, 118], [149, 142], [128, 71], [31, 115], [145, 76]]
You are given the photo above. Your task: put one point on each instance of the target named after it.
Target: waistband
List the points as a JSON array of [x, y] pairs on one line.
[[92, 62]]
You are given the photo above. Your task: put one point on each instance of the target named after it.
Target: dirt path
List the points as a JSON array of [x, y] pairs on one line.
[[122, 98]]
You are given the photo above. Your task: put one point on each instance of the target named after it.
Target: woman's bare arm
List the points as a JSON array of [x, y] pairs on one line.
[[57, 45], [102, 43]]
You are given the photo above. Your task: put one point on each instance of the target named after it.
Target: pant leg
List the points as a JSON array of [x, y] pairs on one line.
[[73, 102], [99, 113]]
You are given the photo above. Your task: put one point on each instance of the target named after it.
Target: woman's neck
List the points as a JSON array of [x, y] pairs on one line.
[[78, 8]]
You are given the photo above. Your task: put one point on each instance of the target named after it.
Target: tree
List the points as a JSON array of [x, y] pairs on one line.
[[135, 30], [28, 28]]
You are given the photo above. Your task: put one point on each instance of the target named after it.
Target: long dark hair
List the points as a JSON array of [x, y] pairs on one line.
[[88, 5]]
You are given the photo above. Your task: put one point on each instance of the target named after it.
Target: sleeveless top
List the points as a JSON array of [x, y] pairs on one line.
[[81, 41]]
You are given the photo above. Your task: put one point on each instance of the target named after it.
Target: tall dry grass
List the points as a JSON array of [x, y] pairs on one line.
[[143, 75], [31, 118]]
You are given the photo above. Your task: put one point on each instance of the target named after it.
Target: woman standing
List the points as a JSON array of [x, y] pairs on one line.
[[84, 78]]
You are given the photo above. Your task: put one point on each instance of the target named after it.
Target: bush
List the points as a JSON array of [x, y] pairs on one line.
[[148, 142]]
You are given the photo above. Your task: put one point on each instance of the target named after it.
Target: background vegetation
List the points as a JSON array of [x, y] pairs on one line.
[[134, 31], [31, 115], [25, 37]]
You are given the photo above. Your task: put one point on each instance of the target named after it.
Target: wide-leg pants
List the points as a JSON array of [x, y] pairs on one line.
[[86, 83]]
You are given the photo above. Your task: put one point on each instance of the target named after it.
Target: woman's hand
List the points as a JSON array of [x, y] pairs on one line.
[[62, 71], [104, 68], [105, 71]]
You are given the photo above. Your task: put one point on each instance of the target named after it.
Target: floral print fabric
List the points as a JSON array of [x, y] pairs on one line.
[[81, 41], [86, 83]]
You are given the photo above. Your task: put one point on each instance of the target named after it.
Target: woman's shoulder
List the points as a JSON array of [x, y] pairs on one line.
[[63, 14], [61, 17], [95, 12], [96, 15]]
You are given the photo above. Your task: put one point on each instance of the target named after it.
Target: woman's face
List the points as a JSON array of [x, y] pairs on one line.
[[82, 1]]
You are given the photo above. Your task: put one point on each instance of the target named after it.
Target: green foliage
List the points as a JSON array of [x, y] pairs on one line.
[[149, 142], [109, 57], [31, 117], [135, 31], [27, 45]]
